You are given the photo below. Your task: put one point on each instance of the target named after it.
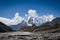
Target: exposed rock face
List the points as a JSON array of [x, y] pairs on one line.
[[18, 26], [30, 29], [4, 28], [54, 26]]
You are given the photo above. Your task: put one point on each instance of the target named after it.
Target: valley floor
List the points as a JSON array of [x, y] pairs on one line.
[[29, 36]]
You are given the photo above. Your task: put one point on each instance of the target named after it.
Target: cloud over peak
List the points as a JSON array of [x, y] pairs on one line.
[[31, 13]]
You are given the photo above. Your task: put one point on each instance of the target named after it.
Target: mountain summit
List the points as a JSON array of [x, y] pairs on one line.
[[30, 19], [53, 26]]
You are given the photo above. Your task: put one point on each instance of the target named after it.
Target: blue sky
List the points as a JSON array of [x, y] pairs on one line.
[[8, 8]]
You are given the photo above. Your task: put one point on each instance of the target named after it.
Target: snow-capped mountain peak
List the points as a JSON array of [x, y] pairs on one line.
[[32, 18]]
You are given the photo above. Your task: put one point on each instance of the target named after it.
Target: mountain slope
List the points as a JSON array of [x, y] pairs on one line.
[[53, 26], [4, 28], [18, 26], [29, 20]]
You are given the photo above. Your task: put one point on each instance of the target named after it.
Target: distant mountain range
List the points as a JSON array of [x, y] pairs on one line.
[[53, 26], [29, 21], [18, 26]]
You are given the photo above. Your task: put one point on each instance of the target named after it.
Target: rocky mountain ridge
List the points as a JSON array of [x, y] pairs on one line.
[[54, 26]]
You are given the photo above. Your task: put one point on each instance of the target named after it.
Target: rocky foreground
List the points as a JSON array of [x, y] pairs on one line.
[[47, 31], [29, 36]]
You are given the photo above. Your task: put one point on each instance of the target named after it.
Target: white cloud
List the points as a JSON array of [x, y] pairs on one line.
[[43, 18], [47, 18], [31, 13], [26, 15], [38, 19], [14, 21], [5, 20], [17, 19]]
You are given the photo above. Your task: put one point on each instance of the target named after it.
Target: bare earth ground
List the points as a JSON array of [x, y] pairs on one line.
[[29, 36]]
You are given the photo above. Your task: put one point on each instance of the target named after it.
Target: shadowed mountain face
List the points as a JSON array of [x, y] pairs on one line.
[[53, 25], [4, 28], [18, 26]]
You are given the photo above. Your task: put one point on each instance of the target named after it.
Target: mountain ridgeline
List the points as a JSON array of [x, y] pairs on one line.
[[5, 28], [53, 26]]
